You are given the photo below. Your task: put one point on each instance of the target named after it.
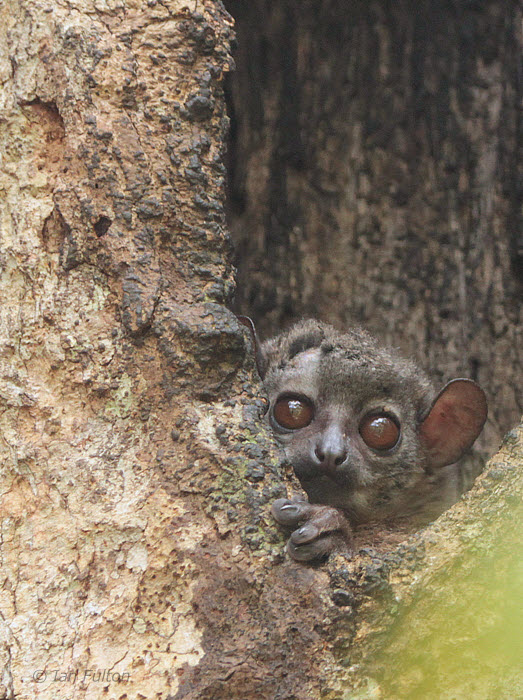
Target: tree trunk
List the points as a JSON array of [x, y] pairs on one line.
[[128, 486], [376, 166], [138, 556]]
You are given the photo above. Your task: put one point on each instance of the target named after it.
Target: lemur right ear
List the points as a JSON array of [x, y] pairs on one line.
[[261, 360], [454, 421]]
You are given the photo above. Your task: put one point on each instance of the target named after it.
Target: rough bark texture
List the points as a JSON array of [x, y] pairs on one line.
[[376, 178], [137, 556], [136, 546]]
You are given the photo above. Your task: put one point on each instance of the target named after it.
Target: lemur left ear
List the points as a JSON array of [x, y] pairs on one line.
[[455, 420], [261, 360]]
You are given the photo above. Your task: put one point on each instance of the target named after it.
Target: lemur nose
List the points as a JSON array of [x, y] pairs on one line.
[[328, 458], [331, 450]]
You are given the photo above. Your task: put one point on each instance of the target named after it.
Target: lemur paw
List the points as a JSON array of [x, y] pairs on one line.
[[322, 529]]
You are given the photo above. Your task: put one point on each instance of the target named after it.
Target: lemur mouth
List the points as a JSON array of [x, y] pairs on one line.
[[341, 482]]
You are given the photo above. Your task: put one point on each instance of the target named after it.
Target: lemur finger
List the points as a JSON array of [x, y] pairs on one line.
[[316, 549], [320, 521], [306, 533], [290, 513]]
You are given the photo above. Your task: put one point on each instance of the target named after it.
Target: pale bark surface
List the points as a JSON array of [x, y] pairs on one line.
[[138, 559], [125, 495]]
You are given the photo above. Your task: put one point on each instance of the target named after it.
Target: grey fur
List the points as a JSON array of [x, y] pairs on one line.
[[346, 376]]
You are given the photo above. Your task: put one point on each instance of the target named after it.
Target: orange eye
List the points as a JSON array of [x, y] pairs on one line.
[[379, 432], [293, 412]]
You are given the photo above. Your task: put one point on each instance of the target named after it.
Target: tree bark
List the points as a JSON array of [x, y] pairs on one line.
[[138, 555], [128, 486]]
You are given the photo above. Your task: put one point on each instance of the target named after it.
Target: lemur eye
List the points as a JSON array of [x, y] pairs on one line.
[[379, 431], [293, 412]]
